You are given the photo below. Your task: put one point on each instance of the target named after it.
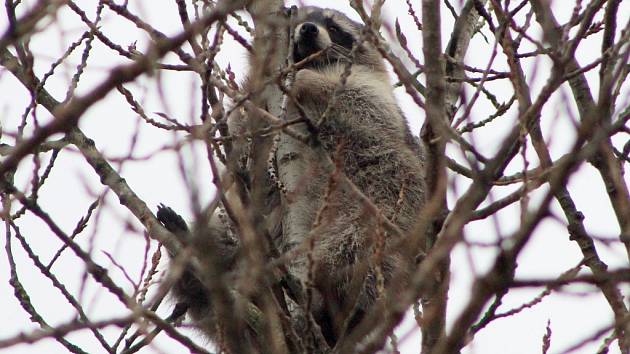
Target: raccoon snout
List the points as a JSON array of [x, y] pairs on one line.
[[308, 30], [307, 40]]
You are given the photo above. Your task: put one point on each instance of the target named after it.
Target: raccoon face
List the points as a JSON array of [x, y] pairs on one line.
[[319, 29]]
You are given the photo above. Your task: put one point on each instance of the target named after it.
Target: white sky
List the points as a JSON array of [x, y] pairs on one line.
[[576, 313]]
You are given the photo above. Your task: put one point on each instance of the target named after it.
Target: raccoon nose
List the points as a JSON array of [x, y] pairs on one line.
[[308, 29]]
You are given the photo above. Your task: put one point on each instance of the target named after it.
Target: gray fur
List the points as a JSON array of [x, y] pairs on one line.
[[376, 151]]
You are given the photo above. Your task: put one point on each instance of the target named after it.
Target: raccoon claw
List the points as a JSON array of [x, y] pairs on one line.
[[171, 220], [178, 312]]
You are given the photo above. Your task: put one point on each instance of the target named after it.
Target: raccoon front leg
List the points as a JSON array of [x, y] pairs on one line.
[[189, 289], [313, 86]]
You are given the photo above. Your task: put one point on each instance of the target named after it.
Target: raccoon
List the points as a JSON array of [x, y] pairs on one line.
[[347, 257], [365, 131]]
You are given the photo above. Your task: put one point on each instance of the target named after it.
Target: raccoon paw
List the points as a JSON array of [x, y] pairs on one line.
[[171, 220]]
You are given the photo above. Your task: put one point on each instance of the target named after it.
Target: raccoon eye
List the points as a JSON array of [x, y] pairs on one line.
[[333, 29]]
